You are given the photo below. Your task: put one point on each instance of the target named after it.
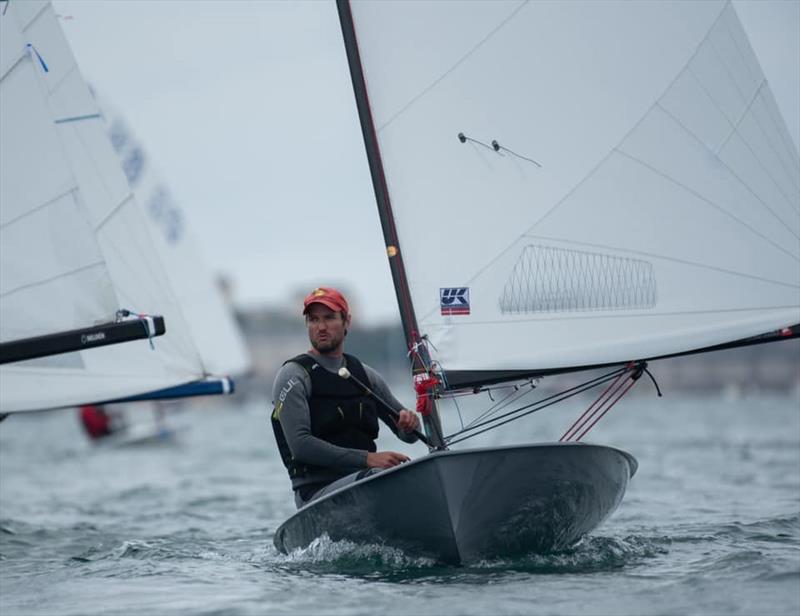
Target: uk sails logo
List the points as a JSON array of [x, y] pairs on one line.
[[454, 300]]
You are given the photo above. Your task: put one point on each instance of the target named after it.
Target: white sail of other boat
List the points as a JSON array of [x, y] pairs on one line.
[[74, 245], [214, 331], [579, 183]]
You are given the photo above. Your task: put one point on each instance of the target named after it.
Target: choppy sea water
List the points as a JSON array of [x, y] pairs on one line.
[[710, 523]]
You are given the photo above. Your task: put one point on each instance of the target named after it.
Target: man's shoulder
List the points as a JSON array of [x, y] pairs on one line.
[[290, 371], [304, 360], [373, 375]]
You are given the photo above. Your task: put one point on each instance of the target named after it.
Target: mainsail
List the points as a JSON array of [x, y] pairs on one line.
[[575, 184], [74, 246]]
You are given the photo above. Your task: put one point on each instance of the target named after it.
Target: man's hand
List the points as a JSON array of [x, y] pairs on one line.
[[385, 459], [407, 421]]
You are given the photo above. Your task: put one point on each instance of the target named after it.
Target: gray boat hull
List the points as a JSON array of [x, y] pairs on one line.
[[463, 506]]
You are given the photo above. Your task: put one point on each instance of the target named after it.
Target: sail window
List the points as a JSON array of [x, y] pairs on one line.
[[550, 279]]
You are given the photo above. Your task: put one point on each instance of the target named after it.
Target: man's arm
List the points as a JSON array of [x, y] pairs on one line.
[[291, 391], [379, 386]]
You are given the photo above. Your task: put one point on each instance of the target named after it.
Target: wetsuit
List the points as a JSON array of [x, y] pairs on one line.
[[323, 424]]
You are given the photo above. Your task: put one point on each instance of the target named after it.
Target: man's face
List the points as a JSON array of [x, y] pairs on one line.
[[326, 328]]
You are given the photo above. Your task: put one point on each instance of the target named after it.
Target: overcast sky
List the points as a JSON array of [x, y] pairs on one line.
[[247, 111]]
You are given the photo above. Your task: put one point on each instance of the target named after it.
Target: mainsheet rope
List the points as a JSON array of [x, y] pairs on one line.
[[518, 413]]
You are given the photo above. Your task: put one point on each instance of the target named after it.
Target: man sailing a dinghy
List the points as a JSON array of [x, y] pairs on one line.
[[325, 425]]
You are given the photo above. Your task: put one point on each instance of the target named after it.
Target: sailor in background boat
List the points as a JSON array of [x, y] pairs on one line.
[[98, 422], [325, 426]]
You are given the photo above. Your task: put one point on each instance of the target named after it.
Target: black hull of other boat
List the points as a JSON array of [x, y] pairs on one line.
[[468, 505]]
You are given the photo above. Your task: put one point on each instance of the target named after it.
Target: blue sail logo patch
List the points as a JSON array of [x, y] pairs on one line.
[[454, 300]]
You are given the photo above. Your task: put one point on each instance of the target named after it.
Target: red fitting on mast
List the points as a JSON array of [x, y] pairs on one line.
[[425, 386]]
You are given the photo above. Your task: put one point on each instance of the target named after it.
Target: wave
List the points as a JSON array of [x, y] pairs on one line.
[[593, 554]]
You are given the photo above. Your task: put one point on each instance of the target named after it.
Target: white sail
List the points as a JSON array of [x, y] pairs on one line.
[[665, 215], [214, 331], [74, 245]]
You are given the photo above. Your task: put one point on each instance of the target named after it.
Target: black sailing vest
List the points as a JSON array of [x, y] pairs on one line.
[[340, 413]]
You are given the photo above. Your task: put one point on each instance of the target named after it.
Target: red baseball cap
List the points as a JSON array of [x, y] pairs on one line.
[[327, 296]]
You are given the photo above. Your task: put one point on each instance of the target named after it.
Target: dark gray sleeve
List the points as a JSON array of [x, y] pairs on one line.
[[380, 387], [291, 392]]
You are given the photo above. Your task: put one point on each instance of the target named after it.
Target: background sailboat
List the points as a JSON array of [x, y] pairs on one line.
[[208, 315], [76, 248]]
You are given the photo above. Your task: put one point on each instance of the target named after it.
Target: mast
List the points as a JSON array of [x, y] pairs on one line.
[[420, 359]]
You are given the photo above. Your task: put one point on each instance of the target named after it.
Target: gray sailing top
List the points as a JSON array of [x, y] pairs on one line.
[[291, 392]]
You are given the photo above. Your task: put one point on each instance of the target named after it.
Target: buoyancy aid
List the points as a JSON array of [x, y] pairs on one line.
[[340, 413]]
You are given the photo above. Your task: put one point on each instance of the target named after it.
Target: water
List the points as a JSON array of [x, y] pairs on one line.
[[710, 524]]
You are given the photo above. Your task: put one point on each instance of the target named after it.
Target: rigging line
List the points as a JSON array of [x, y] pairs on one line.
[[439, 79], [58, 276], [744, 98], [732, 173], [557, 397], [744, 141], [488, 416], [5, 8], [655, 383], [443, 377], [498, 406], [472, 391], [533, 408], [608, 408], [38, 208], [595, 407], [180, 336], [145, 319], [486, 413], [717, 207], [497, 147]]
